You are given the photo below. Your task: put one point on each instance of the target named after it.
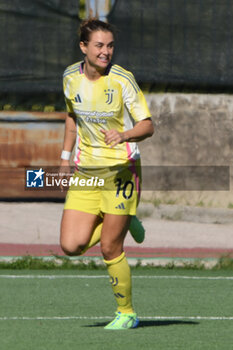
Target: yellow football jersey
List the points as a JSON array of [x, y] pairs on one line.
[[114, 101]]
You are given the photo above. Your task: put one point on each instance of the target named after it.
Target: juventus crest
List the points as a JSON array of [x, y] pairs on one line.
[[109, 94]]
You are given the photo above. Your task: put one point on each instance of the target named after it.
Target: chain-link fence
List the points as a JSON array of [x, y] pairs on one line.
[[38, 39], [172, 42], [176, 41]]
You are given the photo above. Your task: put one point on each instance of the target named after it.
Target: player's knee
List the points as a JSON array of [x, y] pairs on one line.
[[71, 249], [109, 250]]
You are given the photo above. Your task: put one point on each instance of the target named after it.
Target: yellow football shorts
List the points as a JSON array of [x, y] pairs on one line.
[[117, 194]]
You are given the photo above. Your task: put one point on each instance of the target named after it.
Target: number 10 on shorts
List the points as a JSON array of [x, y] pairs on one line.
[[126, 188]]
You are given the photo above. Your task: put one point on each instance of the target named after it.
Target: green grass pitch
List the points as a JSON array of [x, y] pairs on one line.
[[57, 309]]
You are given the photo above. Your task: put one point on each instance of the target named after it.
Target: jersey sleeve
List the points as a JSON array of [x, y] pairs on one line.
[[68, 103], [69, 107], [135, 100]]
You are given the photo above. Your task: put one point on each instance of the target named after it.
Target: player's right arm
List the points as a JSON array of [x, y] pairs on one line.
[[68, 144], [70, 122], [70, 135]]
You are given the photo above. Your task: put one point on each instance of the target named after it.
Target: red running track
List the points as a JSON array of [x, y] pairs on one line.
[[8, 249]]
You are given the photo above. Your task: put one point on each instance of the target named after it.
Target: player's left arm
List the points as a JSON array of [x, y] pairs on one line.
[[136, 104], [142, 130]]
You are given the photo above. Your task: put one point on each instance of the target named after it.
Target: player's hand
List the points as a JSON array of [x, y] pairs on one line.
[[64, 171], [113, 137]]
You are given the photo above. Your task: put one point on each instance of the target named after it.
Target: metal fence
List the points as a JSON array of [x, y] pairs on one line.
[[173, 42], [38, 39], [176, 41]]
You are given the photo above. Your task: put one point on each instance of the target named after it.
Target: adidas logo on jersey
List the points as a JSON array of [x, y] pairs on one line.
[[78, 98], [120, 206]]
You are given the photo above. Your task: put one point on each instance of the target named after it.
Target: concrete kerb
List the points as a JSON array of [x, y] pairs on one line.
[[166, 262]]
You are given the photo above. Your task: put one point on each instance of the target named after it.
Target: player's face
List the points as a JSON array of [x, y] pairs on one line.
[[99, 49]]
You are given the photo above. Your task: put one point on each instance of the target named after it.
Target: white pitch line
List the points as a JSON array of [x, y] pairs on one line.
[[210, 318], [26, 318], [64, 318], [189, 277], [53, 276], [105, 276]]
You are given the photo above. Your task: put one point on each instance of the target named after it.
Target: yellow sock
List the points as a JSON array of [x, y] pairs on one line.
[[120, 279], [95, 238]]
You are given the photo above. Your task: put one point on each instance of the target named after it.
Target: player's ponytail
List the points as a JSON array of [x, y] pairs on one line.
[[91, 25]]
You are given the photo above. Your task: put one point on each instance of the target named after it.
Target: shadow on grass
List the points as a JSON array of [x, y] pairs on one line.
[[151, 323]]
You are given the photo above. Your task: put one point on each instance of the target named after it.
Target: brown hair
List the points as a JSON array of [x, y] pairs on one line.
[[92, 25]]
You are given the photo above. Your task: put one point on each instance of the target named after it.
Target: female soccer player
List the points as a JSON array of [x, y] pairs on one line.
[[109, 112]]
